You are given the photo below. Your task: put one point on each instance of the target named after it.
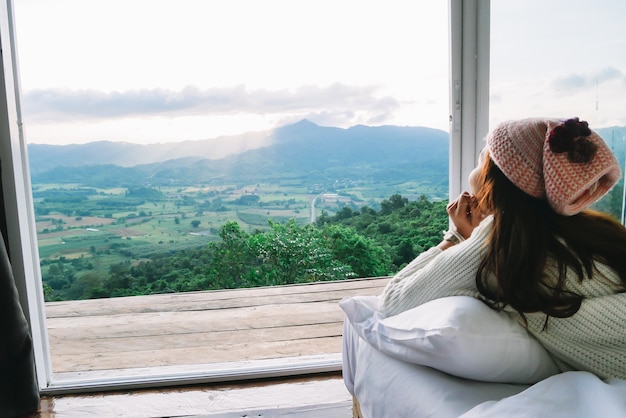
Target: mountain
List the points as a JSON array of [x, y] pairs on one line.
[[302, 150], [44, 157]]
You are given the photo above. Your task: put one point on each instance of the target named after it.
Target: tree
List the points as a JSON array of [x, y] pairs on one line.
[[395, 202], [293, 254], [404, 229], [352, 243], [406, 253], [248, 199], [87, 286], [232, 259], [365, 257], [345, 213]]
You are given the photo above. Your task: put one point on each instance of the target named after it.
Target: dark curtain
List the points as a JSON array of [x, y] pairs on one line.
[[19, 392]]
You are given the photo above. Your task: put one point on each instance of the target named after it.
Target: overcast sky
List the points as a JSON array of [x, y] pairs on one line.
[[156, 71], [559, 58]]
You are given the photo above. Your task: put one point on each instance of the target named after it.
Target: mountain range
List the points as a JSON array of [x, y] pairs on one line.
[[302, 150]]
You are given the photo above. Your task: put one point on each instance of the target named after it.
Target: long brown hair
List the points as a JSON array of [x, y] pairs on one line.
[[527, 234]]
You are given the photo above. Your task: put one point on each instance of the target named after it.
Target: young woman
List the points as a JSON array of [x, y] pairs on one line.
[[525, 242]]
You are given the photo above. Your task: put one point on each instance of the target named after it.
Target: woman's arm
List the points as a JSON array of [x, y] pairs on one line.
[[437, 273]]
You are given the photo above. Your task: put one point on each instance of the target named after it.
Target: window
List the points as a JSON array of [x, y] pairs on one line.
[[530, 58], [293, 64]]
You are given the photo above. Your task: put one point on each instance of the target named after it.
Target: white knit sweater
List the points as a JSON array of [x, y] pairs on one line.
[[594, 339]]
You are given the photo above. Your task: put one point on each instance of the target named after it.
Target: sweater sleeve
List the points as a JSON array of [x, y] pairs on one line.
[[435, 274]]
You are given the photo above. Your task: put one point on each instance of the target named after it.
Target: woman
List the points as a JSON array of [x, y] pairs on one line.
[[524, 241]]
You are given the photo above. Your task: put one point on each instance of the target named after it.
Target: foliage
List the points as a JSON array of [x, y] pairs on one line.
[[366, 257], [352, 243], [145, 193], [404, 229]]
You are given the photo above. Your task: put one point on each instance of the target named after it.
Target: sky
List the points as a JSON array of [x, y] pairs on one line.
[[559, 58], [150, 71]]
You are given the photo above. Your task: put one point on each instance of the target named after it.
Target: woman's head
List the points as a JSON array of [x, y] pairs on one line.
[[495, 193], [564, 163], [536, 178]]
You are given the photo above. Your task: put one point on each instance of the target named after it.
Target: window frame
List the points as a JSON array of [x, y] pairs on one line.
[[469, 110], [469, 87]]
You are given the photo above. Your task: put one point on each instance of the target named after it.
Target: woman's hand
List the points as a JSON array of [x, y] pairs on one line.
[[464, 214]]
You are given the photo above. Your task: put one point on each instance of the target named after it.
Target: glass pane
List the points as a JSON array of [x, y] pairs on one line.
[[562, 59], [180, 151]]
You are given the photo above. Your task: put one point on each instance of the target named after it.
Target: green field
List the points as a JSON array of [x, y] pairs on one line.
[[182, 217], [85, 233]]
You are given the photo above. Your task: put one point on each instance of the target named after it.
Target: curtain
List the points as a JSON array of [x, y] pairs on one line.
[[19, 392]]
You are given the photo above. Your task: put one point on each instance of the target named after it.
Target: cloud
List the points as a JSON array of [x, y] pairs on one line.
[[580, 81], [608, 74], [64, 104]]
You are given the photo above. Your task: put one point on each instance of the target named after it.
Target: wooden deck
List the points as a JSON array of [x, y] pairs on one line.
[[200, 327], [187, 331]]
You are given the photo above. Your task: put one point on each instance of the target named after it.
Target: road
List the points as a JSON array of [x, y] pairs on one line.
[[313, 214]]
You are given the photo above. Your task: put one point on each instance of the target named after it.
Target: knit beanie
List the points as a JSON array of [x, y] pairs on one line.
[[562, 161]]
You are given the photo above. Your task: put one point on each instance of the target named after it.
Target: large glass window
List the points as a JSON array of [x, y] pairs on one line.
[[158, 129], [144, 75]]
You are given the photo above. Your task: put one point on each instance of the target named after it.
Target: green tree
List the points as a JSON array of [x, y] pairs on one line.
[[232, 259], [352, 243], [395, 202], [403, 228], [365, 257], [87, 286], [293, 254]]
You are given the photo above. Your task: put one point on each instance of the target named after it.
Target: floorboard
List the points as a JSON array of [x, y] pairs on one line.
[[200, 327], [145, 334]]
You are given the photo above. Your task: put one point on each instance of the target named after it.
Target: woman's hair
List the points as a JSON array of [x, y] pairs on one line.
[[527, 234]]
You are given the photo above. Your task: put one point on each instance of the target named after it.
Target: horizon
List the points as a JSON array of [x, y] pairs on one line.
[[233, 136], [242, 134]]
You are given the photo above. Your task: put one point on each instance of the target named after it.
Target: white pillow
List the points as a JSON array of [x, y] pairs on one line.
[[459, 335]]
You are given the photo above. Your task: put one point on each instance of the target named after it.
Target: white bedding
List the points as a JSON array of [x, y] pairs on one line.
[[388, 387], [459, 335], [570, 394]]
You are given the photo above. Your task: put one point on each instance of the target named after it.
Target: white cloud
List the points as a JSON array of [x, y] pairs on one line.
[[65, 104], [579, 81], [158, 70]]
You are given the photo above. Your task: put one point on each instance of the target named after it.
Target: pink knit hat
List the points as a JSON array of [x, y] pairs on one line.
[[564, 162]]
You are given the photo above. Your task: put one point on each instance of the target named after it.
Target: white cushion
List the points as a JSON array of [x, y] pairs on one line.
[[459, 335]]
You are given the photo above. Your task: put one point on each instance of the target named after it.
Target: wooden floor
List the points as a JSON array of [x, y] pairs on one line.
[[185, 330]]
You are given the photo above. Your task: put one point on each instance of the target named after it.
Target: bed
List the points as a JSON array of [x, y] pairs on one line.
[[455, 357]]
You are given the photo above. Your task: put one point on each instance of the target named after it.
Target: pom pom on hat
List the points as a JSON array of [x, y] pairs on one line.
[[564, 162]]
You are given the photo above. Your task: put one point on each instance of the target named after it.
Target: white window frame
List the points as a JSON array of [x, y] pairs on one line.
[[469, 108], [469, 87]]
